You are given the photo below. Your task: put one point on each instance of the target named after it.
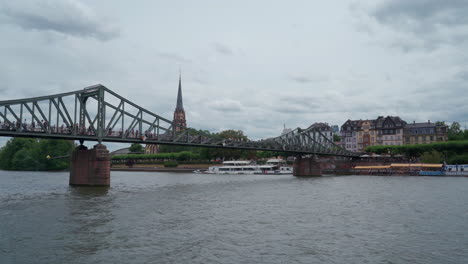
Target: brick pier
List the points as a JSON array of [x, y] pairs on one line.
[[313, 166], [90, 167]]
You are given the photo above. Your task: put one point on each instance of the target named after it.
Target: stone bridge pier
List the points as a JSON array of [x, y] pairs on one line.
[[315, 166], [90, 167]]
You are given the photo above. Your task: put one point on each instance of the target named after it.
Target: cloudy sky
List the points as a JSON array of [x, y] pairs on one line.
[[248, 65]]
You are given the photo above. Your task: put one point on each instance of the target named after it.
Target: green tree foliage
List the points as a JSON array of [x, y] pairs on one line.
[[233, 135], [208, 154], [170, 164], [432, 157], [458, 159], [31, 154], [270, 154], [336, 138], [457, 147], [11, 148], [455, 132], [229, 154], [215, 153], [450, 150], [172, 149], [455, 128], [181, 156], [135, 147]]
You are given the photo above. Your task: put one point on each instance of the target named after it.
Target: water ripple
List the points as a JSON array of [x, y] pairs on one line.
[[187, 218]]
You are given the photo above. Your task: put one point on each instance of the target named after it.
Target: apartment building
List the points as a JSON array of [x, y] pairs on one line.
[[425, 133]]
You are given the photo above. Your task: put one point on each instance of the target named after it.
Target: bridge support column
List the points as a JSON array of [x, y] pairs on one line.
[[306, 167], [90, 167]]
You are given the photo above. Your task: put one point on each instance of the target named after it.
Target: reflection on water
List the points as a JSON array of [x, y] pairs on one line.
[[194, 218], [89, 212], [90, 192]]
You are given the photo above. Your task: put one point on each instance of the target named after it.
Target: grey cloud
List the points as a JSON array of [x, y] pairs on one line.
[[307, 79], [222, 49], [200, 81], [68, 17], [291, 109], [434, 101], [463, 75], [298, 105], [300, 79], [428, 23], [173, 56], [305, 101], [423, 12], [227, 105]]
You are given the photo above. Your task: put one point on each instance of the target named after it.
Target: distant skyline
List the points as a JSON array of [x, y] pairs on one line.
[[246, 65]]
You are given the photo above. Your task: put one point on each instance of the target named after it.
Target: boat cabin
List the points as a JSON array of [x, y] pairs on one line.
[[237, 163]]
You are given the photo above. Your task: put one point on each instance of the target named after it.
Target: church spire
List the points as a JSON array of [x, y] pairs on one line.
[[179, 113], [180, 105]]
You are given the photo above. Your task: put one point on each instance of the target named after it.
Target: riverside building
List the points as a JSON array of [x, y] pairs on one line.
[[389, 130], [357, 135], [349, 135], [324, 129], [425, 133]]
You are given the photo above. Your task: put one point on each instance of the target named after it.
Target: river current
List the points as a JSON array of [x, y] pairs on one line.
[[149, 217]]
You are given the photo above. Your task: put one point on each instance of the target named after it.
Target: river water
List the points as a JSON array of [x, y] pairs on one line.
[[194, 218]]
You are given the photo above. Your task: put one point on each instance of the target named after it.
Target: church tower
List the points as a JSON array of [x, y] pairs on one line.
[[179, 113], [179, 118]]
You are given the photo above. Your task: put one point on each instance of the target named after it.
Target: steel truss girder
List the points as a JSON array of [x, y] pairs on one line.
[[88, 114]]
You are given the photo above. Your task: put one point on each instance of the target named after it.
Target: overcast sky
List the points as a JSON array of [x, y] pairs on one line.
[[248, 65]]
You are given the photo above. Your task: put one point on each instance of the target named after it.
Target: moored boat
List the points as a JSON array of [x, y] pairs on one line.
[[456, 170], [248, 167], [280, 166]]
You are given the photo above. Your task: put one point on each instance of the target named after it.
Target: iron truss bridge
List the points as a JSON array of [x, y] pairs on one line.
[[98, 114]]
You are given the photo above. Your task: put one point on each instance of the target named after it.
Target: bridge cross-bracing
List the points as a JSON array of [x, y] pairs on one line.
[[98, 114]]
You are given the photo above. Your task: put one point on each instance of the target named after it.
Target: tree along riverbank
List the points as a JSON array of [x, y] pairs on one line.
[[28, 154], [453, 152]]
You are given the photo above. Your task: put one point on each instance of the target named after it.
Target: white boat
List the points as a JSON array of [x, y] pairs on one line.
[[281, 167], [447, 170], [247, 167], [456, 170]]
